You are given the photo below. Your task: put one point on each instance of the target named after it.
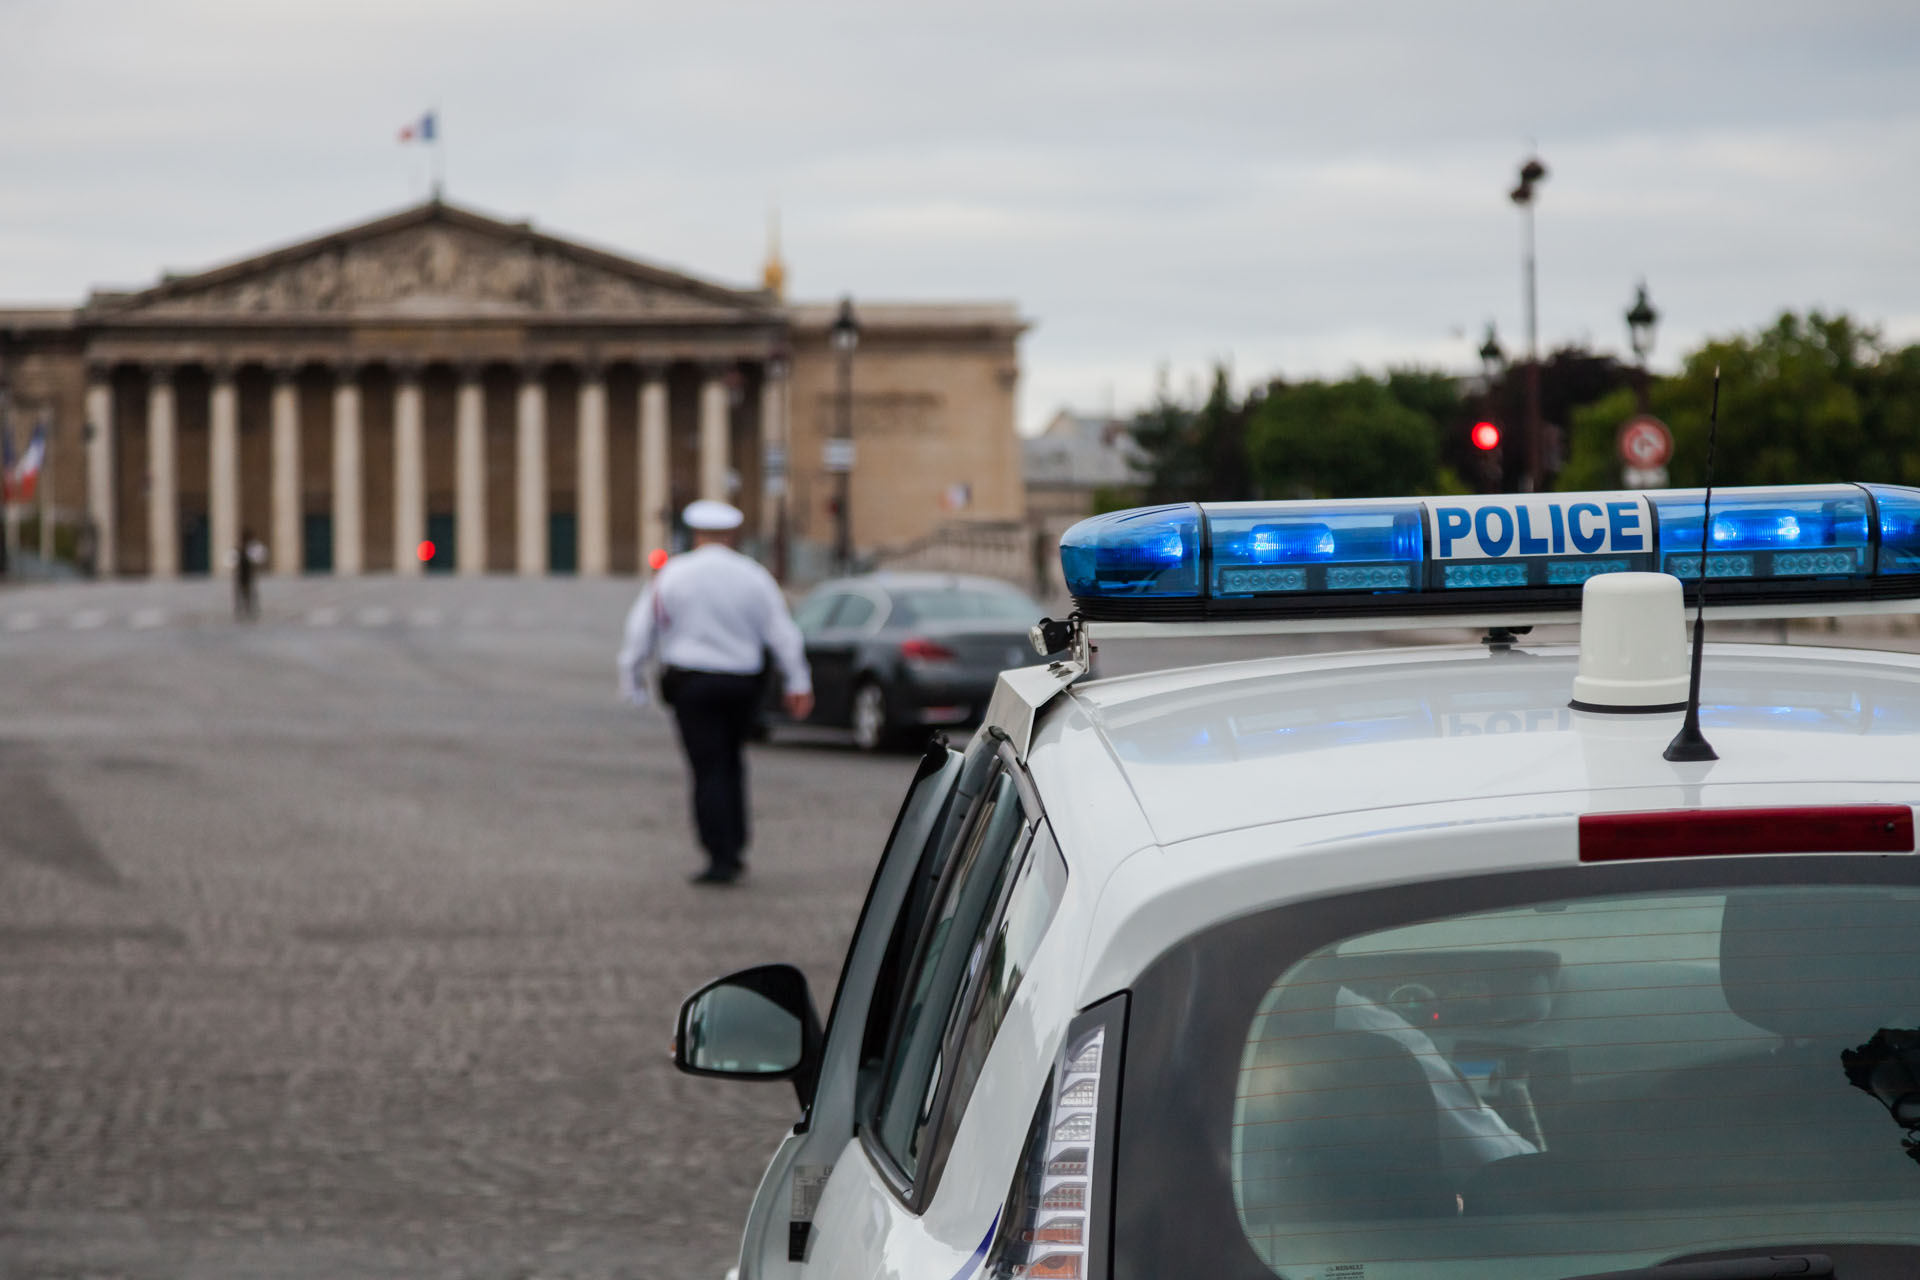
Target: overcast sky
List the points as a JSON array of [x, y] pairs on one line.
[[1296, 187]]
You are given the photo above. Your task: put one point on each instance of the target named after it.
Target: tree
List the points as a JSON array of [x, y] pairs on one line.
[[1196, 455], [1810, 398], [1349, 439]]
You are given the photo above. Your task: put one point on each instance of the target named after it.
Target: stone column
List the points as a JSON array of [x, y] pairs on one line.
[[470, 472], [163, 489], [223, 468], [530, 479], [592, 477], [409, 472], [288, 527], [773, 444], [656, 522], [715, 434], [349, 520], [102, 507]]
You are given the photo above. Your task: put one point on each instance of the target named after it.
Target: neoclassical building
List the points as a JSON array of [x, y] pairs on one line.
[[439, 390]]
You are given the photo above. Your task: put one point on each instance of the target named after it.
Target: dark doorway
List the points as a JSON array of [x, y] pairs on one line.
[[319, 542], [440, 532], [196, 549], [563, 549]]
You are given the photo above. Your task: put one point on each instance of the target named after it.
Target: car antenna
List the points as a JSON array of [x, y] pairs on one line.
[[1690, 744]]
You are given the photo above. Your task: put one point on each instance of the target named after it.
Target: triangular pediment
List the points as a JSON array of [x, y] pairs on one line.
[[437, 261]]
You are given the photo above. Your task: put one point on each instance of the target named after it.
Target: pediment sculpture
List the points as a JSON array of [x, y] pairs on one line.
[[430, 270]]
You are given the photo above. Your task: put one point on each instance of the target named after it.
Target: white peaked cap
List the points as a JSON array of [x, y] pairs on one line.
[[710, 516]]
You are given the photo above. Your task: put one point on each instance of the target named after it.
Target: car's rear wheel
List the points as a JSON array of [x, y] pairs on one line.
[[871, 718]]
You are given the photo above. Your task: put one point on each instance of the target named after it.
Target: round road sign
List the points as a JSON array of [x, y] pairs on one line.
[[1645, 442]]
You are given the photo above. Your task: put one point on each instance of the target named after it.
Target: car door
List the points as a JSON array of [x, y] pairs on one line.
[[781, 1229], [925, 1043], [833, 652], [811, 617]]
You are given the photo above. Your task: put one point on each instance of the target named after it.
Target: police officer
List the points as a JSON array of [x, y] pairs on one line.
[[709, 617]]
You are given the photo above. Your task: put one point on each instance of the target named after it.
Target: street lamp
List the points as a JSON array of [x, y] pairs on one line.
[[1641, 319], [844, 336], [1491, 356], [1532, 173]]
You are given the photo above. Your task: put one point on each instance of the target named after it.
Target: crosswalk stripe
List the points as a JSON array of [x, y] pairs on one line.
[[323, 617], [88, 620], [146, 619], [25, 620]]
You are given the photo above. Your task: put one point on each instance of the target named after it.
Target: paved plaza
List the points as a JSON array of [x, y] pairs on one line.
[[345, 944]]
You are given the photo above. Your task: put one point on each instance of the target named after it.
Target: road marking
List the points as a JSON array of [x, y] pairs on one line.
[[424, 618], [323, 617], [478, 617], [147, 619], [376, 617], [25, 620], [88, 620]]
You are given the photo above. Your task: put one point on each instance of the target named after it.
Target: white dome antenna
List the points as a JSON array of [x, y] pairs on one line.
[[1633, 644]]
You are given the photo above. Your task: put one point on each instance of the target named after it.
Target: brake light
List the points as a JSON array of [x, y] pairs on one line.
[[1048, 1231], [921, 649], [1694, 833]]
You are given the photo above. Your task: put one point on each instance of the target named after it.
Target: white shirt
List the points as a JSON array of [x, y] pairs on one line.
[[712, 609]]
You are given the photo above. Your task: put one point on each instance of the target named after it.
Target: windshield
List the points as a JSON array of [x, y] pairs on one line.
[[923, 607], [1570, 1084]]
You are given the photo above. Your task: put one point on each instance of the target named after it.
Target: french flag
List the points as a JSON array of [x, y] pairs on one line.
[[420, 130], [25, 474]]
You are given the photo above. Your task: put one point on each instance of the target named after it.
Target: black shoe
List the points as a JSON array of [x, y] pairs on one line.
[[717, 876]]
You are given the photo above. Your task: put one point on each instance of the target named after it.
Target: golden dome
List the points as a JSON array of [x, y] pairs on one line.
[[773, 276]]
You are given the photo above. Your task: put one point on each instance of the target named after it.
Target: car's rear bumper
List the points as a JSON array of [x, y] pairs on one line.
[[934, 694]]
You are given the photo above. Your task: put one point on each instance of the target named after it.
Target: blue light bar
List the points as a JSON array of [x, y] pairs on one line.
[[1803, 531], [1149, 551], [1262, 550], [1899, 528], [1435, 555]]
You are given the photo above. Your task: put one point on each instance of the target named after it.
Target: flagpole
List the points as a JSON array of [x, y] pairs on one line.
[[439, 158], [44, 483]]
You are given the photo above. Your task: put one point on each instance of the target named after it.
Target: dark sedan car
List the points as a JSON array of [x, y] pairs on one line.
[[894, 654]]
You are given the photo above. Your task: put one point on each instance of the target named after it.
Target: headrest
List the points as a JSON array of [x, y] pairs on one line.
[[1822, 961]]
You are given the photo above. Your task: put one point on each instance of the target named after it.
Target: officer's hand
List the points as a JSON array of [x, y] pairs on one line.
[[637, 698], [799, 706]]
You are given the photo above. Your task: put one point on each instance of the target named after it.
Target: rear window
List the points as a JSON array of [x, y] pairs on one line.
[[1568, 1084], [966, 606]]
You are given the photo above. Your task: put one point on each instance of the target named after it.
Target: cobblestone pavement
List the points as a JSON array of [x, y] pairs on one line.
[[345, 945], [351, 950]]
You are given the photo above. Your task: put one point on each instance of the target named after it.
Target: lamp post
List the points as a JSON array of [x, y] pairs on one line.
[[1492, 360], [1532, 173], [844, 337], [1641, 319]]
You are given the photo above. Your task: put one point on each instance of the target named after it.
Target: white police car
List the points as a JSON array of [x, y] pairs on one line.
[[1404, 963]]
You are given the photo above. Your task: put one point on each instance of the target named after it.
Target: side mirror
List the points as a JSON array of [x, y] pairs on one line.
[[757, 1024]]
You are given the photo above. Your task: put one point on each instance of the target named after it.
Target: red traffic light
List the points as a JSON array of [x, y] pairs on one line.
[[1486, 436]]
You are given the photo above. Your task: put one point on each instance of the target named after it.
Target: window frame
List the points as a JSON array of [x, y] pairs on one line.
[[832, 596], [915, 1189]]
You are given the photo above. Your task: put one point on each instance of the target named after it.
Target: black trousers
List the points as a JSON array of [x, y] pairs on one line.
[[715, 713]]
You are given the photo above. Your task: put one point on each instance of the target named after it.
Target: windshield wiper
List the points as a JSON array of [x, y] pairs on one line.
[[1763, 1267]]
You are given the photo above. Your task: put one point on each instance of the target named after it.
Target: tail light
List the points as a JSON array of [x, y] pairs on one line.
[[1683, 833], [921, 649], [1054, 1223]]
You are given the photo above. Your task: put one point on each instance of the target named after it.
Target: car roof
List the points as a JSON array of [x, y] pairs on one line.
[[1205, 750]]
